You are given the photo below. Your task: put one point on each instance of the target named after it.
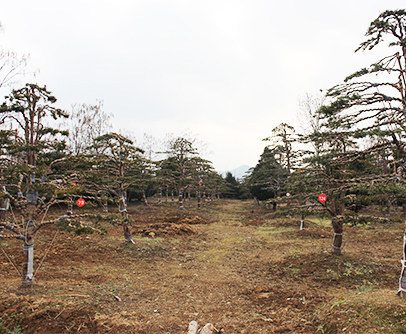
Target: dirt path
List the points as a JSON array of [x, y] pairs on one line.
[[230, 264]]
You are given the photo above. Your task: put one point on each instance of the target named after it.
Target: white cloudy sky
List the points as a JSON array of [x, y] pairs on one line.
[[227, 70]]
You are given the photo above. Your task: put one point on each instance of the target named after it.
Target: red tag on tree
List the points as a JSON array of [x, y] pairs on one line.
[[80, 202], [322, 198], [74, 183]]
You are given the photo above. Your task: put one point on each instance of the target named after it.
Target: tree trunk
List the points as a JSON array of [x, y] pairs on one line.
[[28, 249], [181, 200], [160, 195], [28, 253], [70, 209], [198, 200], [388, 205], [337, 222], [28, 264], [3, 208], [127, 233], [4, 202], [302, 219], [123, 211], [402, 280], [122, 206], [144, 198]]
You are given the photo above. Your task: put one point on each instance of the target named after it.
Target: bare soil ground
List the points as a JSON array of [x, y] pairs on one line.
[[229, 263]]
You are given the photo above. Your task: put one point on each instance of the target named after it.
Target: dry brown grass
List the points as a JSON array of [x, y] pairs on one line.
[[227, 263]]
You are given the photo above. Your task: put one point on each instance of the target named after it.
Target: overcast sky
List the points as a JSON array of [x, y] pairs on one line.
[[229, 71]]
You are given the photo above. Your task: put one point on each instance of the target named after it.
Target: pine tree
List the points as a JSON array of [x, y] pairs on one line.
[[268, 177], [29, 149]]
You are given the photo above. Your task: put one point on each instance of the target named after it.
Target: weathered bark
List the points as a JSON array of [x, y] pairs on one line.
[[337, 210], [204, 198], [337, 223]]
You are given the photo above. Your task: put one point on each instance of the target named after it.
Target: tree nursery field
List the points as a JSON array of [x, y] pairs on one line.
[[232, 263]]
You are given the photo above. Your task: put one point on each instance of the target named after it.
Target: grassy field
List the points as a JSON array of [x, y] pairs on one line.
[[230, 263]]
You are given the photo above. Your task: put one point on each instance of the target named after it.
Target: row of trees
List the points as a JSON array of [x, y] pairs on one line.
[[43, 165], [49, 156], [355, 152], [355, 139]]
